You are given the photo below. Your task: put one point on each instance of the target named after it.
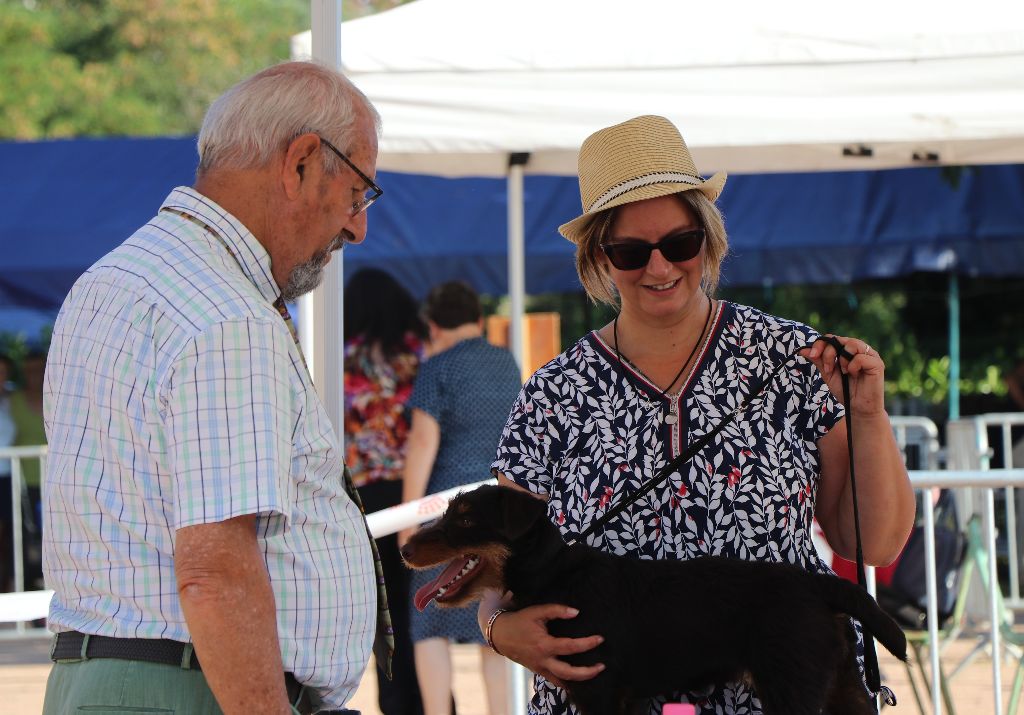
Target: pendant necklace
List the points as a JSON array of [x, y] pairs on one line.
[[671, 418]]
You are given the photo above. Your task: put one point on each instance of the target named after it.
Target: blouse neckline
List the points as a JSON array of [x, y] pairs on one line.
[[632, 373]]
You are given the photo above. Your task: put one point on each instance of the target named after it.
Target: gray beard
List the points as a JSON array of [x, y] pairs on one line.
[[307, 276]]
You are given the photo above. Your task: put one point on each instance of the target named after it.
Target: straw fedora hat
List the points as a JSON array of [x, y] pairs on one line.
[[642, 158]]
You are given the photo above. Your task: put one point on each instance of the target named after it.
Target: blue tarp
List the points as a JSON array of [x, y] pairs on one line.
[[66, 203]]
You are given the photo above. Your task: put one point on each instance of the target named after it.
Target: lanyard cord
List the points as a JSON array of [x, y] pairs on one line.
[[871, 673], [700, 339]]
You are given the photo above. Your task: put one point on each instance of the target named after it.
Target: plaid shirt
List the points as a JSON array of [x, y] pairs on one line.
[[175, 395]]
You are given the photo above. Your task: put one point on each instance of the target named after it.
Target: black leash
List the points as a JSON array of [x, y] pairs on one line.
[[871, 673]]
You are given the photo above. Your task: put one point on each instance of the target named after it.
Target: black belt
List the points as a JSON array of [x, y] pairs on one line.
[[69, 646]]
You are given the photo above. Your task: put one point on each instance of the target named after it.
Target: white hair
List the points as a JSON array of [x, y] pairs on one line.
[[246, 125]]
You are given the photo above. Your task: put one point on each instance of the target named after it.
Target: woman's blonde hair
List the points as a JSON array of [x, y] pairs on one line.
[[591, 266]]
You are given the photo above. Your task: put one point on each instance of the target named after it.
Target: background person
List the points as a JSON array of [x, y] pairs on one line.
[[6, 513], [384, 339], [26, 410], [195, 500], [1015, 391], [596, 422], [459, 404]]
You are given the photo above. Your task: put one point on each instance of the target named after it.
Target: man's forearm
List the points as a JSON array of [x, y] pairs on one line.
[[231, 615]]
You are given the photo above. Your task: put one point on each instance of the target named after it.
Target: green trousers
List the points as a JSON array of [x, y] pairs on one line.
[[101, 685], [108, 685]]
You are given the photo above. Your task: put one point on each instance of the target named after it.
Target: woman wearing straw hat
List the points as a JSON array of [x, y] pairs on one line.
[[608, 414]]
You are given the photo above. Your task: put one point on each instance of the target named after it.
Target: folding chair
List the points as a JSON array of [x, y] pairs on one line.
[[1012, 640], [919, 640], [904, 598]]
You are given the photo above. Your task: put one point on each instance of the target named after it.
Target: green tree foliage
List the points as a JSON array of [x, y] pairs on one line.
[[907, 321], [131, 67], [73, 68]]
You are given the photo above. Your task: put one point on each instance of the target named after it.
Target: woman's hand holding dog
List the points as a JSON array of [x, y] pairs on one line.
[[523, 636]]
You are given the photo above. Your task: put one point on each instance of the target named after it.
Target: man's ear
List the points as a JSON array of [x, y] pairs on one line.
[[300, 156], [520, 511]]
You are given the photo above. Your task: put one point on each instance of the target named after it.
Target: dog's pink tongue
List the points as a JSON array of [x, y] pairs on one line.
[[428, 593]]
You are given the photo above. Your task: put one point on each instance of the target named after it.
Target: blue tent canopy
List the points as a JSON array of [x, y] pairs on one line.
[[66, 203]]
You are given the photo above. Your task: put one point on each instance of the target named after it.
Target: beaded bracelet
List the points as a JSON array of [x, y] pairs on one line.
[[490, 627]]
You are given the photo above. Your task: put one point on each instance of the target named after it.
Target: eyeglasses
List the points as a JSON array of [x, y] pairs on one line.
[[631, 255], [372, 193]]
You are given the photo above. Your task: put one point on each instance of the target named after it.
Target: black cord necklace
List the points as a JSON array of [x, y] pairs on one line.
[[671, 417]]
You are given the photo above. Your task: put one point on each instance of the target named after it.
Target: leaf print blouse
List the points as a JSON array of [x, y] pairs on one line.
[[588, 430]]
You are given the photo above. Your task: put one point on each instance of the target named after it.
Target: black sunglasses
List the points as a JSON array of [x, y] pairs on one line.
[[372, 193], [631, 255]]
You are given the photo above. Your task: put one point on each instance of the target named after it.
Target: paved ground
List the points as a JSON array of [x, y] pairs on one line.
[[24, 665]]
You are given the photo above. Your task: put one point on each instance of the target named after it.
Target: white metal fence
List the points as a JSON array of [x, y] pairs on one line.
[[17, 457]]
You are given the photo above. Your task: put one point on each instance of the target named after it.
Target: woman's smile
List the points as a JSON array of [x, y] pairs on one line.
[[662, 287]]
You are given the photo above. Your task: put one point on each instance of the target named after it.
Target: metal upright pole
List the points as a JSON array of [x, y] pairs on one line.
[[324, 354], [993, 599], [516, 255], [518, 682], [933, 599], [954, 347]]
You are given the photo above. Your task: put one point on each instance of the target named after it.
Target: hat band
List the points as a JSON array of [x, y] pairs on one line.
[[646, 180]]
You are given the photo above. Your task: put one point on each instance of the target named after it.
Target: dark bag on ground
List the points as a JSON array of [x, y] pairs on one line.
[[906, 596]]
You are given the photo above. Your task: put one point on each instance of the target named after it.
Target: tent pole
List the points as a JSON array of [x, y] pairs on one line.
[[518, 682], [516, 256], [323, 343], [954, 347]]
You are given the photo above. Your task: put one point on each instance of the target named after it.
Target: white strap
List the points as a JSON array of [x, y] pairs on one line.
[[646, 180]]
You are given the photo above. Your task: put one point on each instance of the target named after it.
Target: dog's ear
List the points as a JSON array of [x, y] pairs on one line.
[[520, 510]]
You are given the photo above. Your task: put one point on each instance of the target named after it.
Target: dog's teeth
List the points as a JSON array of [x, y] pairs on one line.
[[470, 565]]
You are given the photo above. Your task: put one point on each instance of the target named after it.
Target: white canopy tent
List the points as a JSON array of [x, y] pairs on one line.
[[496, 88], [755, 86]]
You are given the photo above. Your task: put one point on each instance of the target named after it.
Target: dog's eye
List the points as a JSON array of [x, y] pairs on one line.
[[465, 522]]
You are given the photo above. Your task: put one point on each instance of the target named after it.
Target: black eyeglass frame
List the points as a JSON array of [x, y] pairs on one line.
[[359, 206], [611, 248]]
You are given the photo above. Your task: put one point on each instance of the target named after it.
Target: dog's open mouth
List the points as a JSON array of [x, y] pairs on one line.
[[453, 579]]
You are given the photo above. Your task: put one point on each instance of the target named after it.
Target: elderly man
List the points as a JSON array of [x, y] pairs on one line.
[[204, 551]]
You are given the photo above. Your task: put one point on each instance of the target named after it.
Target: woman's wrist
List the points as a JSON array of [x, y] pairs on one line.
[[489, 628]]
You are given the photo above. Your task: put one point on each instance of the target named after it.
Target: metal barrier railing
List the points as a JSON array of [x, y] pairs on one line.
[[986, 482], [16, 455], [970, 447], [918, 440]]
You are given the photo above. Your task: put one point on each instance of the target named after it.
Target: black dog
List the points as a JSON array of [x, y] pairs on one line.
[[668, 625]]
